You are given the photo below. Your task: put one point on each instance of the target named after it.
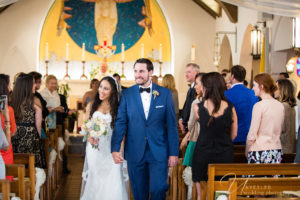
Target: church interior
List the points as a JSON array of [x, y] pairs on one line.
[[81, 40]]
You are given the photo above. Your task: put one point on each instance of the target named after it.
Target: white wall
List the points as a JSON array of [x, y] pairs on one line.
[[189, 24], [20, 31], [20, 28]]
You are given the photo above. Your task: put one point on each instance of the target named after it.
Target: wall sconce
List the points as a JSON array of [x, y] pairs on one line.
[[296, 34], [290, 67], [256, 42]]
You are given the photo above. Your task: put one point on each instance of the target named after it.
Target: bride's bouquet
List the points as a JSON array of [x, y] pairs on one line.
[[95, 128]]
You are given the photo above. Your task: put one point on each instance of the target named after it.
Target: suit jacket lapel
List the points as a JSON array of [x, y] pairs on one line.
[[137, 96], [153, 101]]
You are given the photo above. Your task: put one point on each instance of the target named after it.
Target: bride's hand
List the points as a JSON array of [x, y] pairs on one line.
[[91, 140]]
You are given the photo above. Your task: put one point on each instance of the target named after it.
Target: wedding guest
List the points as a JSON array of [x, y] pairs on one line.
[[7, 80], [297, 157], [285, 94], [27, 138], [118, 78], [227, 79], [38, 82], [218, 128], [8, 122], [243, 100], [3, 147], [57, 104], [168, 81], [263, 140], [193, 125], [90, 95], [245, 83], [155, 79], [191, 70], [283, 75], [224, 72]]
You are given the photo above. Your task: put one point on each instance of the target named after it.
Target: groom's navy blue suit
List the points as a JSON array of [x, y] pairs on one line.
[[149, 142]]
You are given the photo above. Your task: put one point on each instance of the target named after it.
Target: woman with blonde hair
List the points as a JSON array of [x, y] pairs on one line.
[[285, 94], [168, 81]]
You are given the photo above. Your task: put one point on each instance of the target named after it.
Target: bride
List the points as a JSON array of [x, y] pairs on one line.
[[102, 179]]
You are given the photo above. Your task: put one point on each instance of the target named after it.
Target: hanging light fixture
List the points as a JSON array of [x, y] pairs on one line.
[[296, 34], [256, 42], [217, 56]]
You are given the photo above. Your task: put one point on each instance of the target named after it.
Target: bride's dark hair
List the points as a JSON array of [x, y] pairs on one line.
[[113, 100]]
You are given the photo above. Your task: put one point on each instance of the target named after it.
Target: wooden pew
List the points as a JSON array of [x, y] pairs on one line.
[[5, 189], [17, 186], [214, 170], [45, 191], [28, 161], [51, 135], [261, 186]]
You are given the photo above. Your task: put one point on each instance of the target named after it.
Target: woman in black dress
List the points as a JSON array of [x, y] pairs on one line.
[[218, 122], [27, 138]]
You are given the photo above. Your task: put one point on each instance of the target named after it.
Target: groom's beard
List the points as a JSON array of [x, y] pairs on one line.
[[143, 82]]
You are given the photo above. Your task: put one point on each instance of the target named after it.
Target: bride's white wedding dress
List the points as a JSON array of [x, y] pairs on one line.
[[102, 179]]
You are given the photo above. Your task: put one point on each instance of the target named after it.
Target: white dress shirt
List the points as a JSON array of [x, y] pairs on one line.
[[146, 100], [240, 83]]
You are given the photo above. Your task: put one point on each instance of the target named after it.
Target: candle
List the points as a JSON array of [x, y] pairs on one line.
[[160, 53], [142, 51], [47, 55], [193, 53], [67, 51], [123, 52], [83, 52]]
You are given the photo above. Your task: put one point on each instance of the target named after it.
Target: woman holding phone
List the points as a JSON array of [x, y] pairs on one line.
[[8, 123]]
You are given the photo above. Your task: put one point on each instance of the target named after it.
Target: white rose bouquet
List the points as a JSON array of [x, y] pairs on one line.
[[95, 128]]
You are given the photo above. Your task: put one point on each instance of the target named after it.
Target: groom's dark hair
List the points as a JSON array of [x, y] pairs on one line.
[[147, 62]]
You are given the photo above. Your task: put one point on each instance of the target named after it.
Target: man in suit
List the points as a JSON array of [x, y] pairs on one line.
[[191, 70], [147, 116], [243, 99]]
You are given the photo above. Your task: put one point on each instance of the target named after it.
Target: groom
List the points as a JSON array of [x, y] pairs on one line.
[[147, 115]]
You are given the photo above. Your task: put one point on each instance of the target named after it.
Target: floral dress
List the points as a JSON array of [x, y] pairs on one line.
[[27, 139]]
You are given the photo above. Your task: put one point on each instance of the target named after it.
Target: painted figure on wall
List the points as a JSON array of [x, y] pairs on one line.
[[106, 19]]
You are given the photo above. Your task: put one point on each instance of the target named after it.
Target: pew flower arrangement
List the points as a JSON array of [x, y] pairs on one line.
[[95, 128]]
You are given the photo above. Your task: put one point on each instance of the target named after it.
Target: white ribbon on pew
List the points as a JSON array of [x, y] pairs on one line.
[[67, 137], [52, 159], [170, 170], [61, 146], [40, 178], [15, 198], [187, 177]]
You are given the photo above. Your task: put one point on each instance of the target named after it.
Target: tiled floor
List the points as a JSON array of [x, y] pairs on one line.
[[71, 187]]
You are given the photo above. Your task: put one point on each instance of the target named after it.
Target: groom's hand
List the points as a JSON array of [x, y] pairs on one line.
[[117, 156], [173, 160]]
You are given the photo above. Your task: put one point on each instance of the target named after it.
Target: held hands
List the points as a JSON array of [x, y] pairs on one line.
[[173, 161], [118, 158]]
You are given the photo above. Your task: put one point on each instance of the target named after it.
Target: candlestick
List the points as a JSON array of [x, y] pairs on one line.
[[160, 69], [83, 52], [142, 50], [123, 75], [83, 76], [67, 52], [160, 53], [47, 50], [46, 61], [67, 69], [123, 52], [193, 53]]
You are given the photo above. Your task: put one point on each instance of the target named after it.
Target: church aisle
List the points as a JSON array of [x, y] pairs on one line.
[[72, 185]]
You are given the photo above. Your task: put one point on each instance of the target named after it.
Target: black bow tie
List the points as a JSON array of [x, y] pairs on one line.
[[145, 90]]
